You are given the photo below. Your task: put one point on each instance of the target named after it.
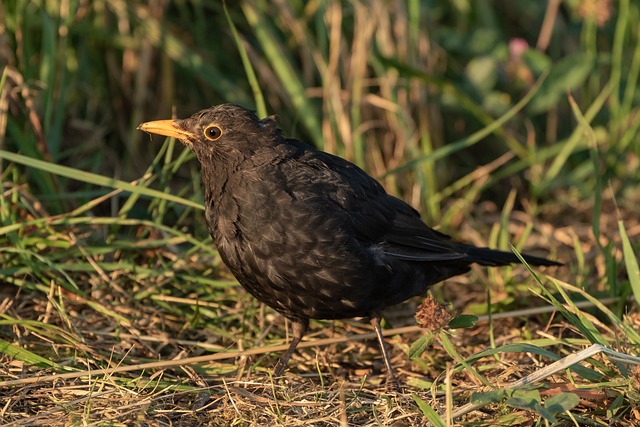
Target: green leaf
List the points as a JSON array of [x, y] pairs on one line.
[[536, 60], [486, 397], [566, 75], [616, 406], [530, 400], [420, 345], [463, 321], [525, 393], [561, 402], [482, 73]]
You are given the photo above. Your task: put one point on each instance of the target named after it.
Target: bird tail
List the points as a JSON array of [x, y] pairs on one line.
[[492, 257]]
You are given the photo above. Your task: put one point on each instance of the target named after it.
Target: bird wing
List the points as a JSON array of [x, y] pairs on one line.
[[411, 239], [378, 218]]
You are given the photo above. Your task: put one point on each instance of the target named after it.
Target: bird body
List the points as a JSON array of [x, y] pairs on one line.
[[296, 236], [309, 233]]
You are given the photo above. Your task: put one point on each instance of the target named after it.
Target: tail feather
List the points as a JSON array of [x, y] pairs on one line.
[[492, 257]]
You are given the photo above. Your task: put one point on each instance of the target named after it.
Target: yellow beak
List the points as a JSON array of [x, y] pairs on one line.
[[166, 128]]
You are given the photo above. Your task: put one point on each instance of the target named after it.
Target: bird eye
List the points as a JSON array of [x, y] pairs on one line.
[[213, 132]]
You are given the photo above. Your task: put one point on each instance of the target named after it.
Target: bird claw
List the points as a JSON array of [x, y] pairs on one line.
[[392, 386]]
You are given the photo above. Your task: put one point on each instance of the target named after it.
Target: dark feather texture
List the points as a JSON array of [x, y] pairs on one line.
[[308, 233]]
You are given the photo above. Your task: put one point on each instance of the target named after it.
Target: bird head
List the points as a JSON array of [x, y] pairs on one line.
[[225, 128]]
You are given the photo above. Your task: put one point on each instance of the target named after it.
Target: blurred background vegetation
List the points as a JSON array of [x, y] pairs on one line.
[[450, 104], [391, 85], [480, 113]]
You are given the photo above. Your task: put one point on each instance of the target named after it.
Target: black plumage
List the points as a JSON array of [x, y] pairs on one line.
[[308, 233]]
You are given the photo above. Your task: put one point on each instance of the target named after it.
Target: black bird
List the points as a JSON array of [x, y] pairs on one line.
[[308, 233]]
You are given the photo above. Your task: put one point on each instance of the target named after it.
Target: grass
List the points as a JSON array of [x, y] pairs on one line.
[[508, 124]]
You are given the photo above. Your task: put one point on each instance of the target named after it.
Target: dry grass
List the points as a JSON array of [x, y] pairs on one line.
[[336, 378]]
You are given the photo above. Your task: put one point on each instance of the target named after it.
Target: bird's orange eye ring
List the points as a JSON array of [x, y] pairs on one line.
[[212, 132]]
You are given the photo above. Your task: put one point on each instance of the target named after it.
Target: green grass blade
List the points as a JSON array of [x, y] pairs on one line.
[[428, 412], [573, 314], [95, 179], [577, 138], [587, 373], [15, 352], [451, 350], [276, 55], [261, 108], [631, 262], [474, 138]]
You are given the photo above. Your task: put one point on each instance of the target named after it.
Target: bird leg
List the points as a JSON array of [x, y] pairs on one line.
[[299, 329], [392, 382]]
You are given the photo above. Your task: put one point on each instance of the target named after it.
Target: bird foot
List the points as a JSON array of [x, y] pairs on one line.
[[278, 370], [392, 386]]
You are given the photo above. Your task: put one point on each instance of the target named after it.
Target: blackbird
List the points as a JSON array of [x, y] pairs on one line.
[[308, 233]]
